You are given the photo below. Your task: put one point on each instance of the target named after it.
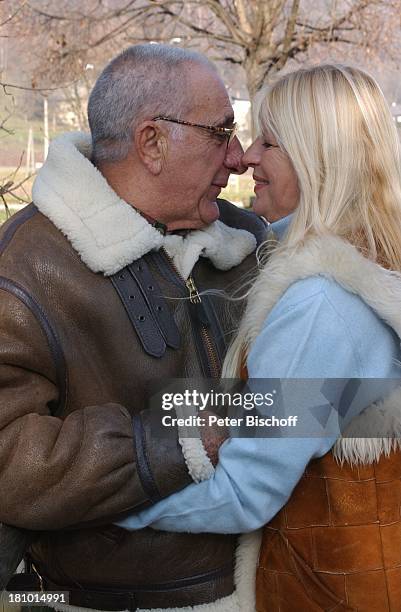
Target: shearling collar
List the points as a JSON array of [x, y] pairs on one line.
[[326, 256], [383, 416], [108, 233]]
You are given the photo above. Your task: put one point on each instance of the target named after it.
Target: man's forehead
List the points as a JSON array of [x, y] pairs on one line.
[[211, 97], [205, 81], [221, 115]]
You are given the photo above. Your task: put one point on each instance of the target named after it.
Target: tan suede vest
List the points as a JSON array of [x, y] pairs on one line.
[[336, 544]]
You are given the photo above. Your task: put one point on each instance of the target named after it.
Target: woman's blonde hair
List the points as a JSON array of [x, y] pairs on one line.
[[336, 127]]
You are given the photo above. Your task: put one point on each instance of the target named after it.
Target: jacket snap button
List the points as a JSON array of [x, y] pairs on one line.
[[141, 318]]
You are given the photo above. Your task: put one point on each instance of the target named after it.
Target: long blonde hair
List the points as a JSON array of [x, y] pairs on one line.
[[336, 127]]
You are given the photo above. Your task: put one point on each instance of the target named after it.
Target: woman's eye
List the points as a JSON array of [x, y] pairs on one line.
[[267, 145]]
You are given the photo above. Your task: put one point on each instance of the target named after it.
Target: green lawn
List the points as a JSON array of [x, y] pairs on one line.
[[19, 127], [21, 185], [239, 190], [3, 214]]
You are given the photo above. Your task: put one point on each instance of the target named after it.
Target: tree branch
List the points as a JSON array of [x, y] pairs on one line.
[[108, 15], [224, 17], [11, 17], [331, 33], [38, 89], [8, 187], [338, 24], [242, 17], [202, 31], [288, 35]]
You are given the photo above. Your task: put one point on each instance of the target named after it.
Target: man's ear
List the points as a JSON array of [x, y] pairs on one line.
[[151, 145]]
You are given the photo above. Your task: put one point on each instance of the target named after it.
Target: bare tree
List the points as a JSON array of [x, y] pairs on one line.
[[68, 41], [12, 185], [263, 36], [257, 38], [254, 39]]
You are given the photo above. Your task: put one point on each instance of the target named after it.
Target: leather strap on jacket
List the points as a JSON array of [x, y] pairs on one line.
[[146, 308]]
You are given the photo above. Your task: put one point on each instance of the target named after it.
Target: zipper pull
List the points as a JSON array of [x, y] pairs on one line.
[[194, 296], [196, 303]]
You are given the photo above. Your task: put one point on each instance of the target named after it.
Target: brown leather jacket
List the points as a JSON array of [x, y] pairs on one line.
[[67, 343]]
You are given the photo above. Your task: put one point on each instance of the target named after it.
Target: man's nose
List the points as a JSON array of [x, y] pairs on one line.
[[233, 158]]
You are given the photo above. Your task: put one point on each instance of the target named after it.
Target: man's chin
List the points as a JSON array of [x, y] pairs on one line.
[[208, 211]]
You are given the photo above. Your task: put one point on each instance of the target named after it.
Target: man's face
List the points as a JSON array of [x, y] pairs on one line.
[[198, 162]]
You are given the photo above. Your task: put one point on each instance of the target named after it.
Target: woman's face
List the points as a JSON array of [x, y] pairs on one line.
[[276, 184]]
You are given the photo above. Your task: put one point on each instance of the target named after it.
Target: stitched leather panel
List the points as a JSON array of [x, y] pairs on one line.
[[102, 597], [17, 221], [51, 336], [336, 543], [142, 463]]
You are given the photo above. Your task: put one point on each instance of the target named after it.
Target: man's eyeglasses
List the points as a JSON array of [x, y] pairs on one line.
[[228, 133]]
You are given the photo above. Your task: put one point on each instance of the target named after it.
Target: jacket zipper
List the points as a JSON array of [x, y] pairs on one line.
[[195, 298]]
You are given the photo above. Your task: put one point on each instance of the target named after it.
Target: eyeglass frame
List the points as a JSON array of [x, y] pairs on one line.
[[214, 129]]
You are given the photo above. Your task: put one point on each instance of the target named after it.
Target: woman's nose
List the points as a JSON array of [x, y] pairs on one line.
[[251, 157]]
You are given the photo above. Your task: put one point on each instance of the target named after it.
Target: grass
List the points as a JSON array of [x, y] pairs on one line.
[[3, 216], [3, 213], [10, 175], [241, 196], [239, 190], [19, 128]]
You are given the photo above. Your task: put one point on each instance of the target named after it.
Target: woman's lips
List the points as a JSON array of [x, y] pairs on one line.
[[260, 183]]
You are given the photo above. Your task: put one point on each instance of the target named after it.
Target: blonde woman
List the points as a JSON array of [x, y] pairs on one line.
[[326, 305]]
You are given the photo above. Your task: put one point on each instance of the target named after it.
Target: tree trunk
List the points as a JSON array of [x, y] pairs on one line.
[[45, 128], [254, 78]]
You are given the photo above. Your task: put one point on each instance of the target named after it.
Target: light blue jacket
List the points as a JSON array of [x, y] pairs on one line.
[[316, 330]]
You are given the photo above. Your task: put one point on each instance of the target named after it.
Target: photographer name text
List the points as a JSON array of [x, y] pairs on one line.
[[214, 420]]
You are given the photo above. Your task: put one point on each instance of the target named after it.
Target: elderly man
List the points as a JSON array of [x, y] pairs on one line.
[[86, 327]]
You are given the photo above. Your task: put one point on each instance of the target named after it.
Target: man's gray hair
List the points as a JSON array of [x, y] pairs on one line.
[[142, 82]]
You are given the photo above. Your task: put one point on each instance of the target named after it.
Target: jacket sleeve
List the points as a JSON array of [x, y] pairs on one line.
[[95, 464]]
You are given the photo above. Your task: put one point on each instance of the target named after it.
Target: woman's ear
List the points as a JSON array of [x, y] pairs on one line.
[[151, 145]]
